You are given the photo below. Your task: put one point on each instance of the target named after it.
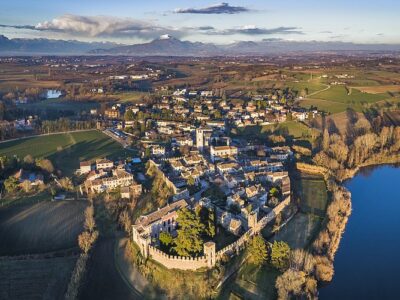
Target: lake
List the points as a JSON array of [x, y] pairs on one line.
[[53, 94], [367, 264]]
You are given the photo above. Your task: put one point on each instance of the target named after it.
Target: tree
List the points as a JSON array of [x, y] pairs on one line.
[[66, 183], [28, 160], [325, 140], [189, 242], [208, 219], [129, 115], [166, 240], [257, 250], [125, 221], [26, 186], [280, 254], [290, 284], [86, 240], [90, 223], [191, 181], [11, 184], [45, 165], [323, 268]]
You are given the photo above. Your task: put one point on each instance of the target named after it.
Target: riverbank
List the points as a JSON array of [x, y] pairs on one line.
[[366, 265]]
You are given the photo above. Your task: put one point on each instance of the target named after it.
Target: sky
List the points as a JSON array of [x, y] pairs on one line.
[[133, 21]]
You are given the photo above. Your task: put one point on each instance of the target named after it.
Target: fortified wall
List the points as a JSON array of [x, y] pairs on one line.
[[210, 257], [177, 262]]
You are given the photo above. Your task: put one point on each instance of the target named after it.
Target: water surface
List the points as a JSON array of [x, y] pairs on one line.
[[367, 264]]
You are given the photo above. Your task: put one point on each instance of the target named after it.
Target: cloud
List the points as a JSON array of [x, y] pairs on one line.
[[109, 27], [254, 30], [221, 8], [106, 26]]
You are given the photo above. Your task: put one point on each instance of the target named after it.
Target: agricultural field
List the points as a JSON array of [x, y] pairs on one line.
[[61, 105], [290, 128], [37, 278], [65, 150], [41, 227], [379, 89]]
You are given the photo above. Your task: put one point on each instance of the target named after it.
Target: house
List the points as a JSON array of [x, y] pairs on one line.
[[112, 113], [125, 192], [104, 164], [217, 152], [85, 167]]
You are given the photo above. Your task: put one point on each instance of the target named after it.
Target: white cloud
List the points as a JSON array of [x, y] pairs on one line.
[[106, 26]]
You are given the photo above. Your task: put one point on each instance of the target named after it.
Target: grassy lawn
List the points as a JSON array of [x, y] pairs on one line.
[[300, 231], [337, 99], [324, 105], [313, 195], [65, 150], [312, 86], [289, 128], [133, 96], [251, 282]]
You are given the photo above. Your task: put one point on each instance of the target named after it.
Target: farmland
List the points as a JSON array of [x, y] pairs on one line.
[[65, 150], [37, 278], [61, 105], [40, 227], [37, 249]]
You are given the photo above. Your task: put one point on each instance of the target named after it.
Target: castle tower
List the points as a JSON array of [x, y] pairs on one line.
[[252, 220], [209, 253], [199, 139]]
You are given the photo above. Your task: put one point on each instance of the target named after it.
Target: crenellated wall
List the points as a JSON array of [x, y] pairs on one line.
[[177, 262], [190, 263]]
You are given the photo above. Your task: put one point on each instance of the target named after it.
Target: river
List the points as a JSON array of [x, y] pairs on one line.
[[367, 264]]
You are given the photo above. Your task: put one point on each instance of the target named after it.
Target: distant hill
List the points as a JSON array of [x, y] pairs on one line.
[[47, 46], [170, 46], [164, 46]]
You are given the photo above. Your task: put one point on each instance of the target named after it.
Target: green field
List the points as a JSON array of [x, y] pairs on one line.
[[313, 195], [312, 86], [251, 282], [66, 150], [61, 105], [337, 99], [288, 128]]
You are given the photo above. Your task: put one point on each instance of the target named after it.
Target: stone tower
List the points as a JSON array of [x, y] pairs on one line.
[[209, 253], [252, 220], [199, 139]]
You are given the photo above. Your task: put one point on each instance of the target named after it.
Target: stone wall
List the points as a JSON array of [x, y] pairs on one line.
[[177, 262], [240, 243], [189, 263]]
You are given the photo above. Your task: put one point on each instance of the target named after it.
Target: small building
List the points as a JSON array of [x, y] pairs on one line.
[[85, 167]]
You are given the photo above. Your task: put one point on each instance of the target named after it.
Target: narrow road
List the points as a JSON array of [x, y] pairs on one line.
[[103, 281], [320, 91]]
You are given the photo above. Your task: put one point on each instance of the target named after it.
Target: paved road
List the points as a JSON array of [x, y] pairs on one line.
[[103, 280]]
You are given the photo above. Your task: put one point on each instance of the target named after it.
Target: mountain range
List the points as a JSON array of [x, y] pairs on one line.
[[170, 46]]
